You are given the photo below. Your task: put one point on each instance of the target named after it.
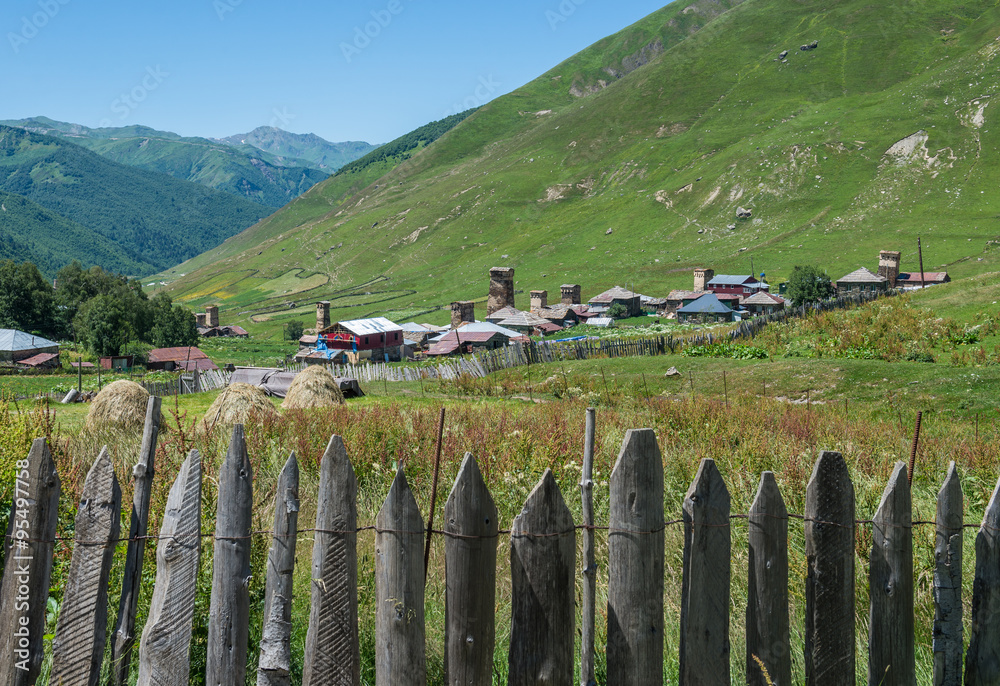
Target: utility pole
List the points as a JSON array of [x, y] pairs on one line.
[[920, 256]]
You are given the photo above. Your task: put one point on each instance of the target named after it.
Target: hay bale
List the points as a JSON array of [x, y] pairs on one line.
[[313, 387], [120, 405], [237, 404]]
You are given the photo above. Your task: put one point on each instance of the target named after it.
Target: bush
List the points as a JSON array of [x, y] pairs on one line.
[[919, 356], [733, 351], [617, 311]]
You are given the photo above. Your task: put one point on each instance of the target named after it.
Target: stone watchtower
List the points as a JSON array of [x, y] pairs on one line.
[[702, 277], [322, 315], [539, 300], [462, 312], [570, 293], [888, 266], [199, 319], [501, 289], [212, 315]]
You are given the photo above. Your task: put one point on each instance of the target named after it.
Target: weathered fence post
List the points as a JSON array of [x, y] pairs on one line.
[[587, 612], [542, 560], [948, 628], [274, 666], [704, 641], [767, 602], [124, 636], [332, 650], [229, 616], [635, 564], [890, 633], [983, 658], [829, 528], [400, 658], [78, 647], [470, 572], [166, 639], [29, 549]]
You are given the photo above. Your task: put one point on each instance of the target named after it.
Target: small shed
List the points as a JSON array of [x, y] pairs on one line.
[[914, 279], [764, 303], [41, 361]]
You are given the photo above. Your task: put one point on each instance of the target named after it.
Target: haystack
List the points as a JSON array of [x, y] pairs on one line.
[[237, 404], [120, 405], [313, 387]]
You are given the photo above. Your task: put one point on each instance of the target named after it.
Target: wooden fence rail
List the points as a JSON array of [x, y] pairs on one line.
[[542, 568]]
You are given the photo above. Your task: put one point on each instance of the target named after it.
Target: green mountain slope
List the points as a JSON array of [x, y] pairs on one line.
[[659, 134], [241, 170], [156, 220], [29, 232], [296, 146]]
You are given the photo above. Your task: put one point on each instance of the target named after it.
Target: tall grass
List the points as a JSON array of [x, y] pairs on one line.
[[515, 443]]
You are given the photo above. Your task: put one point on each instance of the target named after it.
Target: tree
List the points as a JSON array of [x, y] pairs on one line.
[[172, 325], [293, 330], [26, 299], [808, 284], [617, 311], [103, 325]]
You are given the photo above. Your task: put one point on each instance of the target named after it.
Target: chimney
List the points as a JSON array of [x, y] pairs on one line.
[[501, 289], [322, 315], [539, 300], [212, 315], [462, 312], [570, 294]]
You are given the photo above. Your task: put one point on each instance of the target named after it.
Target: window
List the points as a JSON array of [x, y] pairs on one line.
[[366, 340]]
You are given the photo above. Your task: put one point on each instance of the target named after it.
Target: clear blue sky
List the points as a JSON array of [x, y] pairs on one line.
[[361, 70]]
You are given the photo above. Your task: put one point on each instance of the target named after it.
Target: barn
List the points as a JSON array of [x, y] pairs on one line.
[[376, 338], [17, 345]]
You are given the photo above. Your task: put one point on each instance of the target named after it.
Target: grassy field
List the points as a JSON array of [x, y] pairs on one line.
[[663, 157], [749, 415]]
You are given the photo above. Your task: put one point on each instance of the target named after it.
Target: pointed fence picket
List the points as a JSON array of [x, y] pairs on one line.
[[542, 568]]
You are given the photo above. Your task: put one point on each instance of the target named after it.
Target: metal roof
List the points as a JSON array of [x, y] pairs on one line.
[[615, 293], [12, 339], [366, 327], [40, 358], [181, 354], [482, 327], [929, 277], [731, 280], [413, 327], [706, 304], [861, 276]]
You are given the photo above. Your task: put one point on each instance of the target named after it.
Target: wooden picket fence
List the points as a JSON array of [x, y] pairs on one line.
[[543, 568]]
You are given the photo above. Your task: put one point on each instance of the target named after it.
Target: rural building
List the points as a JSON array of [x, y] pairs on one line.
[[888, 266], [207, 319], [679, 298], [375, 338], [617, 295], [538, 300], [322, 315], [570, 293], [861, 281], [463, 342], [41, 361], [701, 278], [524, 322], [914, 279], [228, 331], [17, 345], [651, 305], [601, 322], [501, 289], [745, 285], [763, 303], [418, 333], [462, 312], [186, 358], [117, 362], [563, 315], [707, 309]]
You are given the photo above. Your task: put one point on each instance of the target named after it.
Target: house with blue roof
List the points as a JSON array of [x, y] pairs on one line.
[[707, 309], [17, 345]]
